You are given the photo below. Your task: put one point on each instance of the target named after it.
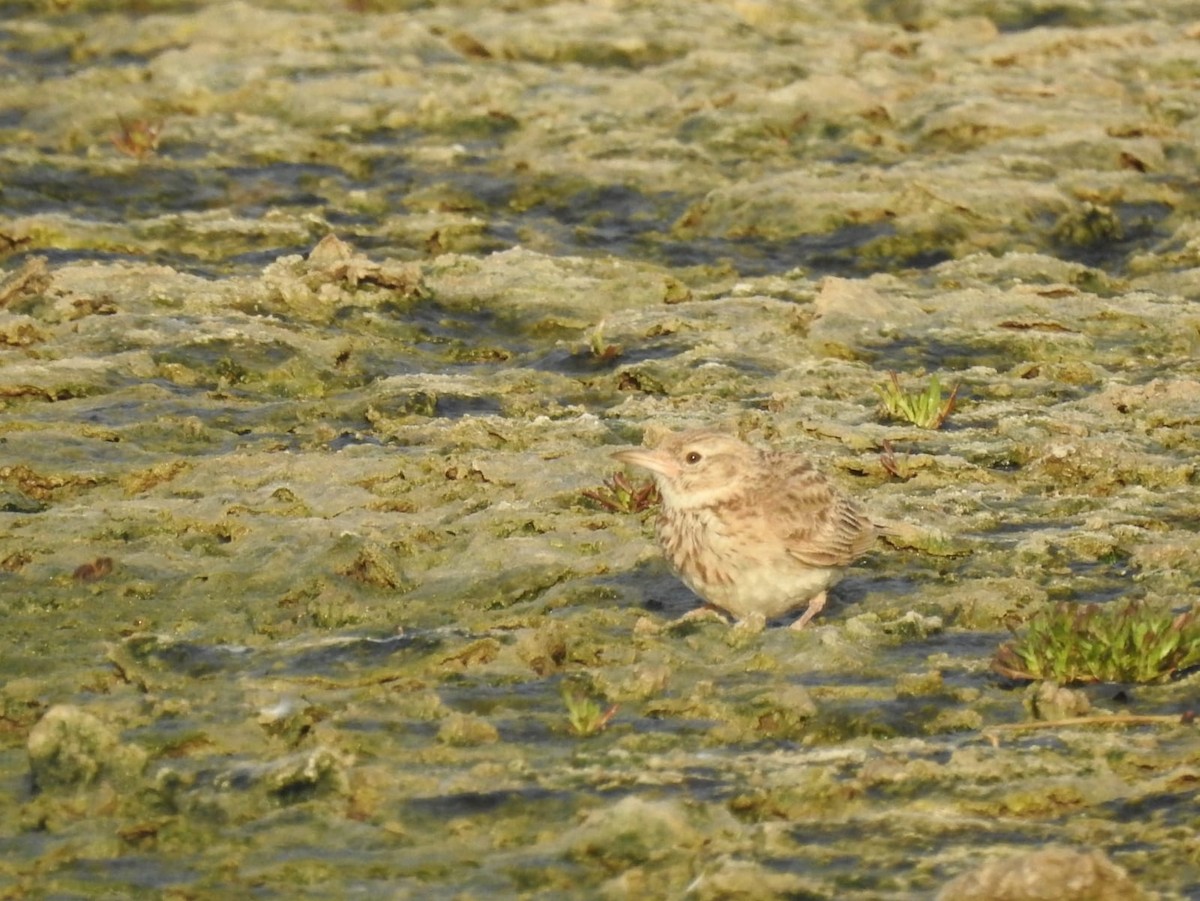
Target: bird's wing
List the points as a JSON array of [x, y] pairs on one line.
[[820, 525]]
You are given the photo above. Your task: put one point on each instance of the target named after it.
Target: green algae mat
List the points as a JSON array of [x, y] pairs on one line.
[[319, 322]]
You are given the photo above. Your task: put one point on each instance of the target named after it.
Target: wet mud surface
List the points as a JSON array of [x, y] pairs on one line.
[[316, 325]]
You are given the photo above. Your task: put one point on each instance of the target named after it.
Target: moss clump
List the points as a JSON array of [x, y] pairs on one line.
[[71, 748]]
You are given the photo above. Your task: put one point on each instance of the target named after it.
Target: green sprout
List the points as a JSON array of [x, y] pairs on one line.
[[619, 494], [585, 715], [1119, 642], [600, 348], [926, 409]]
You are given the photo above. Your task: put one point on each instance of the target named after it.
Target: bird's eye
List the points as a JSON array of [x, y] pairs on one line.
[[693, 457]]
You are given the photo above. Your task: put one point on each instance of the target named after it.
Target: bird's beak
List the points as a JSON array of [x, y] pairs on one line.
[[655, 461]]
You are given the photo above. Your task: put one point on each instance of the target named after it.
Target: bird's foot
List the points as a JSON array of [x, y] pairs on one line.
[[815, 606], [750, 624]]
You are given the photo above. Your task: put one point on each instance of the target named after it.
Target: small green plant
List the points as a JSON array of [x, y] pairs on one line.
[[1119, 642], [585, 715], [601, 350], [925, 409], [621, 495]]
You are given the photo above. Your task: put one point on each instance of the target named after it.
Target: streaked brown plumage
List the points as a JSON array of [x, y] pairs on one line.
[[749, 530]]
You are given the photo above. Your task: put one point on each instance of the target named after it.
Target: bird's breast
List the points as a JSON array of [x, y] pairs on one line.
[[695, 544]]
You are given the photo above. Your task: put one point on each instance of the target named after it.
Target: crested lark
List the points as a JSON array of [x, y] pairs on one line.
[[748, 530]]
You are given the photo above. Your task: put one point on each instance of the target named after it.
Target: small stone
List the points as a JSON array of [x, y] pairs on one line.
[[1051, 701]]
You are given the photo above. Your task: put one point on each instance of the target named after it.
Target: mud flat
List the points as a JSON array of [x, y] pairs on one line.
[[300, 400]]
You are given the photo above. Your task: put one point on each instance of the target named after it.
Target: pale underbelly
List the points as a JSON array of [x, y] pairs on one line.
[[770, 590]]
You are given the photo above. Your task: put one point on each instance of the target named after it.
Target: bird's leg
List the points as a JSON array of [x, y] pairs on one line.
[[815, 606]]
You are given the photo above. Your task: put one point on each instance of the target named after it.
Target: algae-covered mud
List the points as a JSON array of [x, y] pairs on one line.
[[316, 325]]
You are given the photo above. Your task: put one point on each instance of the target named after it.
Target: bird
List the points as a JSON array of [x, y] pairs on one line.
[[753, 532]]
